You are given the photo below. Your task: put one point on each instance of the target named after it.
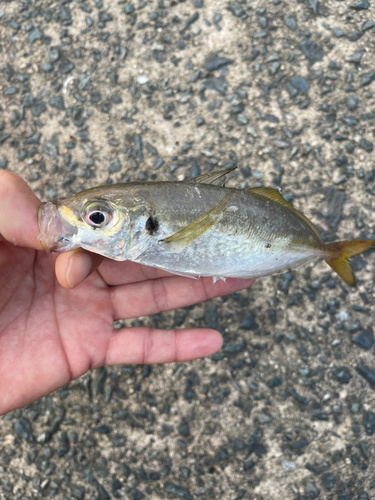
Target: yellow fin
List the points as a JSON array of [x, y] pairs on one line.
[[192, 231], [212, 177], [340, 252], [274, 195]]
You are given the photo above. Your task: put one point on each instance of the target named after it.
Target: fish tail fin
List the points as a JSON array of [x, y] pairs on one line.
[[339, 253]]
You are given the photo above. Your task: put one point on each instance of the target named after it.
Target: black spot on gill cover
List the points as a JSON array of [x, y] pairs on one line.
[[152, 224]]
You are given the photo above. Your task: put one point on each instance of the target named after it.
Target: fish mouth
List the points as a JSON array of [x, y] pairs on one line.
[[56, 234]]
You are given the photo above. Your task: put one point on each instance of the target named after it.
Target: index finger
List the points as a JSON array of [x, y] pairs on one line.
[[18, 211]]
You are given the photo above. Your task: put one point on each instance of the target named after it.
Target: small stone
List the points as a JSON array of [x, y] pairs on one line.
[[114, 166], [28, 100], [10, 91], [56, 102], [363, 5], [177, 490], [221, 455], [242, 119], [275, 382], [300, 84], [135, 494], [355, 35], [53, 54], [342, 374], [214, 62], [369, 422], [102, 492], [51, 149], [288, 465], [338, 32], [355, 57], [291, 22], [84, 81], [159, 162], [249, 465], [38, 108], [23, 428], [142, 80], [368, 78], [65, 66], [47, 67], [328, 480], [312, 491], [367, 25], [365, 339], [249, 323], [352, 103], [35, 35], [367, 374], [313, 52], [3, 163], [335, 201], [33, 139], [234, 348], [219, 84], [368, 146]]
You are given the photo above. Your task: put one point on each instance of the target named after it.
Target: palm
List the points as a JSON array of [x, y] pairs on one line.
[[50, 335]]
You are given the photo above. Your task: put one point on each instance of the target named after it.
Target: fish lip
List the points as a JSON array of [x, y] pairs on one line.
[[56, 234]]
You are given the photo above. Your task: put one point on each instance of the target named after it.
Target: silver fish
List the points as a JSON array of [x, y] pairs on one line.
[[192, 228]]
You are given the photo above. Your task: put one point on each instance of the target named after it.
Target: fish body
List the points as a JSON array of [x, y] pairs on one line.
[[191, 228]]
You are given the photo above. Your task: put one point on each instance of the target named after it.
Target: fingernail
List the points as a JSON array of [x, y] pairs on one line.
[[78, 269]]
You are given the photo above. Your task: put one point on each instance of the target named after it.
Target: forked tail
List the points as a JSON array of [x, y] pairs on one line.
[[340, 252]]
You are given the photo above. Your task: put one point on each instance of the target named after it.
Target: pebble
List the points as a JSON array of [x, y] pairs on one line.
[[65, 66], [142, 80], [367, 78], [328, 480], [158, 162], [367, 25], [178, 491], [365, 339], [313, 52], [291, 22], [214, 62], [369, 422], [367, 145], [23, 428], [342, 374], [300, 84], [363, 5], [57, 102], [36, 34], [250, 323], [367, 374], [288, 465]]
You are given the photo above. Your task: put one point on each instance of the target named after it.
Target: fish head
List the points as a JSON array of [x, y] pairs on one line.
[[93, 223]]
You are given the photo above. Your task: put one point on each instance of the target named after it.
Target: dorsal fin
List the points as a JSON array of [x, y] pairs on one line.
[[212, 177], [275, 195]]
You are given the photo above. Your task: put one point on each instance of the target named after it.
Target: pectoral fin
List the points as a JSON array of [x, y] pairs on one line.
[[195, 229], [212, 177]]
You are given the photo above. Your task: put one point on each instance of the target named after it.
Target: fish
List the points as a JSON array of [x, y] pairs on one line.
[[193, 228]]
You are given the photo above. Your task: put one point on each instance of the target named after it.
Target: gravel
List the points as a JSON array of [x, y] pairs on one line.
[[96, 92]]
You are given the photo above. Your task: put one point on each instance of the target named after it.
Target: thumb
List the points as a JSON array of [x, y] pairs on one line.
[[75, 266], [18, 211]]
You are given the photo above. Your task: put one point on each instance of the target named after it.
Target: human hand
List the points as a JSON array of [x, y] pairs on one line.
[[57, 311]]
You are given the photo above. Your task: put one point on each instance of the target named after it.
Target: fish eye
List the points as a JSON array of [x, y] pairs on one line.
[[97, 216]]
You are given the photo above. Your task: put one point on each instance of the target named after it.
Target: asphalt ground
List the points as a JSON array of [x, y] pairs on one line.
[[95, 92]]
